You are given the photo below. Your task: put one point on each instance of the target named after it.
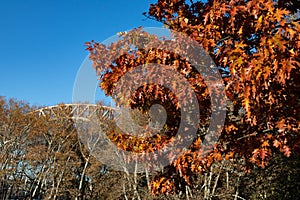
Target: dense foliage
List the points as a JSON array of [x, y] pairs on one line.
[[255, 44]]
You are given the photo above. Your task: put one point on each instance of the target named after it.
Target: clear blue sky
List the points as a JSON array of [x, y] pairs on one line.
[[42, 42]]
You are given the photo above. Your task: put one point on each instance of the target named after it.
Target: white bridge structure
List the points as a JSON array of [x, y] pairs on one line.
[[77, 111]]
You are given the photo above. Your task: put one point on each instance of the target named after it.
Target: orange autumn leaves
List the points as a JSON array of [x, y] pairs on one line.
[[255, 44]]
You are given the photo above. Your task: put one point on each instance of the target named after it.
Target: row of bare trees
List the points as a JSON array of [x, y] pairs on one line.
[[41, 157]]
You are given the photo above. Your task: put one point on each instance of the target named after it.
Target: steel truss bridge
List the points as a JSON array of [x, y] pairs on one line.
[[76, 111]]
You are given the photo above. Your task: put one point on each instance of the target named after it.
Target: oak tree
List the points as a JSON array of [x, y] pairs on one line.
[[255, 45]]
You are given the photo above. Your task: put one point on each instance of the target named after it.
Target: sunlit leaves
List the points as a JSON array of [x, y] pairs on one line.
[[256, 45]]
